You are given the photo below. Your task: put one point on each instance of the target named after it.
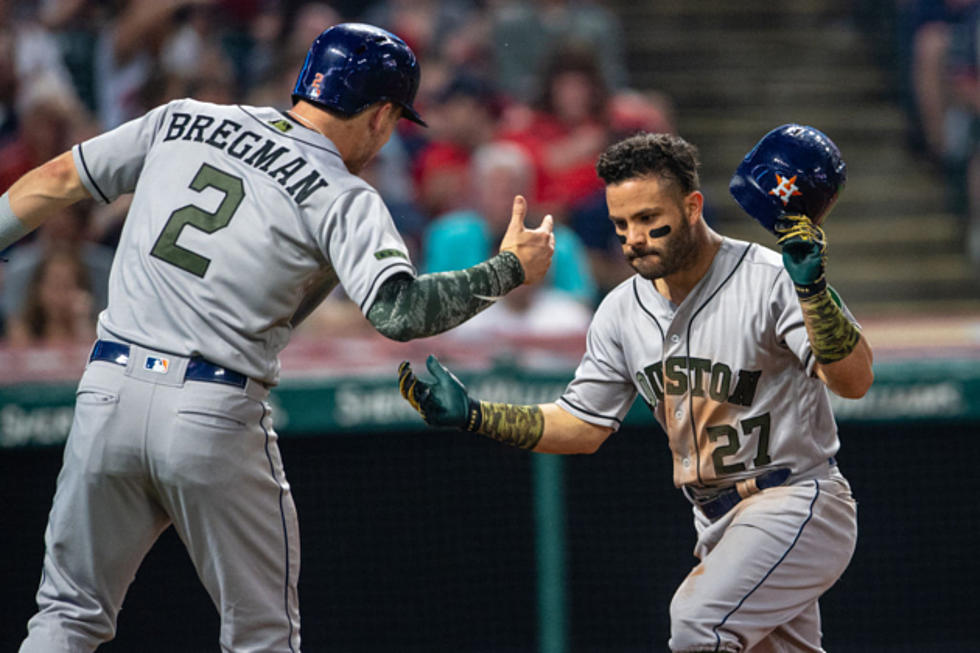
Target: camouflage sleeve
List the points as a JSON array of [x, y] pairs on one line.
[[408, 308], [519, 426], [832, 336]]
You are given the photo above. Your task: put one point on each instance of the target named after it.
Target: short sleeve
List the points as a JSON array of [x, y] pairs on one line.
[[363, 244], [602, 391], [110, 163]]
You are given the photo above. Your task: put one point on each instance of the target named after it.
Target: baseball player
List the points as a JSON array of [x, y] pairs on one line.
[[242, 219], [733, 349]]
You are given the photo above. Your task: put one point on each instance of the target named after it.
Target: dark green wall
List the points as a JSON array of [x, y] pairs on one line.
[[425, 542]]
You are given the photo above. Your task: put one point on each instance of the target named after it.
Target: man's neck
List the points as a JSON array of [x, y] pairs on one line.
[[676, 287]]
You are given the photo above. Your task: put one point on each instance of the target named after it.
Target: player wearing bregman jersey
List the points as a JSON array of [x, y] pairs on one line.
[[717, 338], [242, 220]]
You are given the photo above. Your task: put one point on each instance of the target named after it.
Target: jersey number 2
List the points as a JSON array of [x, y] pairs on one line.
[[166, 247]]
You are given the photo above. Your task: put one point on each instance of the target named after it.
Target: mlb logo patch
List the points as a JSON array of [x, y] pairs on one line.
[[158, 365]]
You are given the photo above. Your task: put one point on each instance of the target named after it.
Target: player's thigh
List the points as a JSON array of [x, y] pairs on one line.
[[226, 490], [102, 520], [781, 550]]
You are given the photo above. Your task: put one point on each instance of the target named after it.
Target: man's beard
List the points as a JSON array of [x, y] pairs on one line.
[[677, 254]]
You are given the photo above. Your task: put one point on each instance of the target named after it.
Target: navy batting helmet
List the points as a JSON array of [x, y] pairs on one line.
[[794, 169], [351, 66]]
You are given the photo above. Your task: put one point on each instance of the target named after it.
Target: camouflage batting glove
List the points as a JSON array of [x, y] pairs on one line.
[[443, 402], [804, 246]]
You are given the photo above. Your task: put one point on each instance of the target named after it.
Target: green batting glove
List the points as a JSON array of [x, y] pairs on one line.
[[804, 246], [443, 402]]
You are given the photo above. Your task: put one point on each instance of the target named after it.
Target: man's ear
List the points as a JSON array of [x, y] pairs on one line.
[[694, 205], [379, 114]]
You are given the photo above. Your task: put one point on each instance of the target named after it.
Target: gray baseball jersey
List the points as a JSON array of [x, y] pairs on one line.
[[728, 373], [221, 249], [241, 219], [729, 376]]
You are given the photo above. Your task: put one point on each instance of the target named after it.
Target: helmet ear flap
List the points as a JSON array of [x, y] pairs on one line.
[[747, 187]]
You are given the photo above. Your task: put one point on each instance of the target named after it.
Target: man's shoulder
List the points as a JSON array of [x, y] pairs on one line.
[[622, 295], [750, 255]]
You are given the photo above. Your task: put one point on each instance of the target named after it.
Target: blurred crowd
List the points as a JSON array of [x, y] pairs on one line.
[[520, 97], [937, 52]]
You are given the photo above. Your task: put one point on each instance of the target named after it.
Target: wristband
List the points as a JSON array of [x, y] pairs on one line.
[[518, 426], [11, 228], [832, 336]]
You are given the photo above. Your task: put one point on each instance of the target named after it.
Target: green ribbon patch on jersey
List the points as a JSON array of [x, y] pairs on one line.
[[388, 253], [282, 125]]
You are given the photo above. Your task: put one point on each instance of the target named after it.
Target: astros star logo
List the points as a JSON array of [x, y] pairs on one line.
[[786, 188]]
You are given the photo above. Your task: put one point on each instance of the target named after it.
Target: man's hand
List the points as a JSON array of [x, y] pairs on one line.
[[442, 403], [804, 248], [533, 247]]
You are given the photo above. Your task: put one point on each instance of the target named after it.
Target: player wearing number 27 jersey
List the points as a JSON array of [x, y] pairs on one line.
[[725, 346], [731, 401]]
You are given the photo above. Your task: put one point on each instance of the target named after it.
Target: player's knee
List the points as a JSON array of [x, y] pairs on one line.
[[690, 631]]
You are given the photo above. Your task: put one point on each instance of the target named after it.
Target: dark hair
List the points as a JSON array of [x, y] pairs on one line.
[[35, 316], [645, 154], [573, 57]]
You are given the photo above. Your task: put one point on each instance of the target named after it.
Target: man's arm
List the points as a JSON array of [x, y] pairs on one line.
[[851, 376], [407, 308], [38, 194], [843, 355], [544, 428]]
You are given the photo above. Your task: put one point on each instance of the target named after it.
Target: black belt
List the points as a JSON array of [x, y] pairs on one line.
[[198, 368], [719, 505]]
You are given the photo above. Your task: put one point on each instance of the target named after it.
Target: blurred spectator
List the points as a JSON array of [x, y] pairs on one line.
[[632, 111], [51, 120], [525, 34], [927, 27], [461, 238], [36, 53], [528, 312], [430, 27], [127, 50], [192, 62], [8, 86], [463, 117], [565, 130], [279, 50], [962, 125], [29, 53], [65, 230], [58, 308], [561, 304], [75, 25]]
